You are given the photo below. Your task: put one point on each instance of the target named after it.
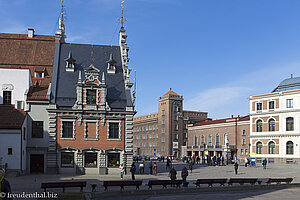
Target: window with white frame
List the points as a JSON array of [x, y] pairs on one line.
[[244, 132], [67, 129], [289, 103], [114, 130], [259, 106], [244, 142], [271, 105]]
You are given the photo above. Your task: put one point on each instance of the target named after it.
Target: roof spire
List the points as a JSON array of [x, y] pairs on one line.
[[122, 20], [61, 26]]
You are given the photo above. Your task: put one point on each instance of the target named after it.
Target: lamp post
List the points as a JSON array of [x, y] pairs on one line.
[[227, 149]]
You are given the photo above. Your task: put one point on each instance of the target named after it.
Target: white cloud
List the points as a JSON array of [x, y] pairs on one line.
[[219, 102]]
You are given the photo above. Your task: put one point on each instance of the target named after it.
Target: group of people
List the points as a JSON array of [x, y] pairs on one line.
[[152, 168], [210, 160]]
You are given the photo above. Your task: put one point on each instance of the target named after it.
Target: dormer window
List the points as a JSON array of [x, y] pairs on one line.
[[70, 63], [91, 97], [111, 68]]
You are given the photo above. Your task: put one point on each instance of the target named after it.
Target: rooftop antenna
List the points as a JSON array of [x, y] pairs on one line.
[[62, 11]]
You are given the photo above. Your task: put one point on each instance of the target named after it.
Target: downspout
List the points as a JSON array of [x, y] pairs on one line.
[[21, 157]]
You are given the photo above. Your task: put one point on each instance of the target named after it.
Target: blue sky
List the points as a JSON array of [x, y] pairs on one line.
[[216, 53]]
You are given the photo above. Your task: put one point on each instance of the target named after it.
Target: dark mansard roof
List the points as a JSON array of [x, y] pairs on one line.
[[63, 88]]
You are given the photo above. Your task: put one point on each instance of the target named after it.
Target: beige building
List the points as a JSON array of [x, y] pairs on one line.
[[275, 123], [164, 133], [223, 137]]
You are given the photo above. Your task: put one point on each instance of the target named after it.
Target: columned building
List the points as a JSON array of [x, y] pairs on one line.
[[275, 123], [227, 137], [165, 132]]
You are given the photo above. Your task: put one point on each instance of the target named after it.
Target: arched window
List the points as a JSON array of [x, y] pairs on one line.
[[217, 140], [290, 124], [259, 125], [209, 140], [271, 125], [226, 139], [290, 148], [202, 140], [271, 147], [259, 148]]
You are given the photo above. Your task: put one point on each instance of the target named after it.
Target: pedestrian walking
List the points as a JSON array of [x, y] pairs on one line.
[[121, 170], [168, 167], [264, 163], [184, 175], [246, 162], [132, 170], [155, 169], [150, 167], [191, 166], [236, 166], [4, 186], [141, 167]]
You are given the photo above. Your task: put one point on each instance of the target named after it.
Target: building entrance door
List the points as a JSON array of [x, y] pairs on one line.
[[36, 163]]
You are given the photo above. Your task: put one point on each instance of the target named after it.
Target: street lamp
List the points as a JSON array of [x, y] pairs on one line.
[[227, 149]]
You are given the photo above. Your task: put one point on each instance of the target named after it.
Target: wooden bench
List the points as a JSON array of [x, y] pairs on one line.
[[63, 185], [121, 184], [210, 182], [279, 180], [242, 181], [164, 183]]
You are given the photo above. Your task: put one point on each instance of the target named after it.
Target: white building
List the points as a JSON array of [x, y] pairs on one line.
[[275, 123], [13, 121]]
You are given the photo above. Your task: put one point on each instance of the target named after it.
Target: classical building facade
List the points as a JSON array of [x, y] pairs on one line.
[[222, 137], [165, 132], [274, 123]]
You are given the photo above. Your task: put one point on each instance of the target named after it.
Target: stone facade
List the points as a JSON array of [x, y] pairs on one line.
[[222, 137]]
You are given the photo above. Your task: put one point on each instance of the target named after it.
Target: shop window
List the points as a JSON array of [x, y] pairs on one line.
[[113, 159], [67, 159], [90, 160]]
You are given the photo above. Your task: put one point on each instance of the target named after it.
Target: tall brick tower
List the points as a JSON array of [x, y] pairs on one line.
[[169, 122]]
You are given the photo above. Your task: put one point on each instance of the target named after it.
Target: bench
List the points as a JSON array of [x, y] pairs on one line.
[[210, 182], [241, 181], [164, 183], [121, 184], [279, 180], [63, 185]]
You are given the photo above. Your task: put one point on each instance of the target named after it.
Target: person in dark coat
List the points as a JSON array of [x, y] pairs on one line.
[[264, 163], [132, 170], [4, 186], [173, 174], [184, 174], [168, 165], [191, 166], [150, 167], [236, 166]]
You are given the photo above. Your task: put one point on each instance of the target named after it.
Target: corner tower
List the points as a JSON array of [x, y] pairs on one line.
[[169, 113]]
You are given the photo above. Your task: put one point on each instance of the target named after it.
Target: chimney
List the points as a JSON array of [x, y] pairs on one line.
[[231, 116], [30, 32]]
